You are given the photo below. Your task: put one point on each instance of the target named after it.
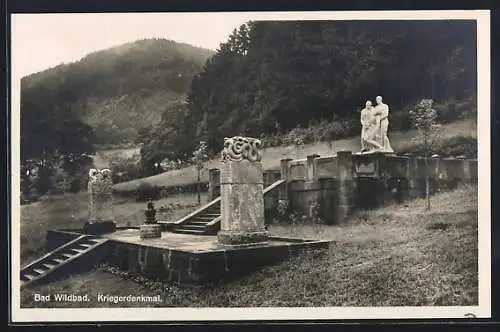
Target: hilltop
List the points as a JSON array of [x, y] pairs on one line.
[[118, 91]]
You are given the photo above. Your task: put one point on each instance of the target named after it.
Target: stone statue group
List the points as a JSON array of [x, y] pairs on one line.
[[375, 122]]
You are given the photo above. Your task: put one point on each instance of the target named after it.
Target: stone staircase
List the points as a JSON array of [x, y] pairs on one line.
[[77, 255], [206, 220]]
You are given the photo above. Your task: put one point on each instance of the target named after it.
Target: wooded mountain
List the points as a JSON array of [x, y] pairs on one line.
[[116, 91]]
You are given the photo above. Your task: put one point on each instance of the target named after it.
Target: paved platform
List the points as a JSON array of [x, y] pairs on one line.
[[187, 242], [190, 259]]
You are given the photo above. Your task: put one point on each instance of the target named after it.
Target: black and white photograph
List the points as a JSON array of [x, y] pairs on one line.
[[250, 166]]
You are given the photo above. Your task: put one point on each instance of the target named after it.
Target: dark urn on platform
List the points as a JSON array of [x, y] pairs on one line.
[[150, 229]]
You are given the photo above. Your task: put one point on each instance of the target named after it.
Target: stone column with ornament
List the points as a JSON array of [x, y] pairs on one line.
[[242, 198], [100, 189]]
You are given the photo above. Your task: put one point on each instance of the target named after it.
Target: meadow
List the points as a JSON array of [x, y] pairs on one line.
[[399, 255]]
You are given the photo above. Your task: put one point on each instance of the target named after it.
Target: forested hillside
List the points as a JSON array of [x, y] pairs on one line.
[[116, 91], [271, 77], [108, 97]]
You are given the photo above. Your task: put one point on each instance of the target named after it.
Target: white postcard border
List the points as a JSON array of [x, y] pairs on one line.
[[483, 310]]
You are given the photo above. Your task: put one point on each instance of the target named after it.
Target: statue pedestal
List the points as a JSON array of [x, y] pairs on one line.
[[148, 231], [242, 203]]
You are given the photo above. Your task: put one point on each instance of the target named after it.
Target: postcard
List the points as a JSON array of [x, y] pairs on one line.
[[256, 166]]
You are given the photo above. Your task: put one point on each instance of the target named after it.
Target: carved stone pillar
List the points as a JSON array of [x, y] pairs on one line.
[[346, 190], [312, 174], [242, 198], [100, 190]]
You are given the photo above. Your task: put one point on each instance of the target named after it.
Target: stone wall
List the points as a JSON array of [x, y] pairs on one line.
[[363, 181], [269, 176], [201, 267]]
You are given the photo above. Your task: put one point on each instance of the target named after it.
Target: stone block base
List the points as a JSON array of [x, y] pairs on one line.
[[241, 238], [148, 231], [99, 227]]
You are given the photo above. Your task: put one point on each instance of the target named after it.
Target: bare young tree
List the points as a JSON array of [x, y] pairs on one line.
[[199, 158], [424, 119]]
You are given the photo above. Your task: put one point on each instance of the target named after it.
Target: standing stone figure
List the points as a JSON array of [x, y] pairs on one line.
[[100, 188], [382, 114], [370, 132], [367, 123]]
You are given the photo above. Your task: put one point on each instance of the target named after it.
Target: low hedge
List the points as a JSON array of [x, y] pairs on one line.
[[146, 191]]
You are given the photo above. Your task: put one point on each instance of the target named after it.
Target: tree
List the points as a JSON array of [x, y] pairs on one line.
[[173, 138], [424, 118], [291, 72], [199, 158]]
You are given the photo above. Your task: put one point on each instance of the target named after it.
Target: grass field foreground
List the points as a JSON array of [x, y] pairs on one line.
[[400, 255]]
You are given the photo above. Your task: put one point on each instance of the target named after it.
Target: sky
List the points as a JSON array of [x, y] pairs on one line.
[[41, 41]]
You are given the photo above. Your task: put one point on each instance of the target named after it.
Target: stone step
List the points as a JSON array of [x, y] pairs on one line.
[[207, 214], [40, 271], [188, 231], [68, 255], [196, 222], [205, 217], [192, 226], [214, 215], [29, 276]]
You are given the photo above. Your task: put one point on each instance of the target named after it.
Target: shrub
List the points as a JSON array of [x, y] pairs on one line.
[[125, 169], [315, 132], [146, 191], [452, 147], [75, 185], [459, 146], [29, 196], [452, 110], [60, 181], [400, 121]]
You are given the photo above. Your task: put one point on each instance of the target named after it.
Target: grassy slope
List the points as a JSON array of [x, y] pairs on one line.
[[123, 116], [271, 156], [397, 255]]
